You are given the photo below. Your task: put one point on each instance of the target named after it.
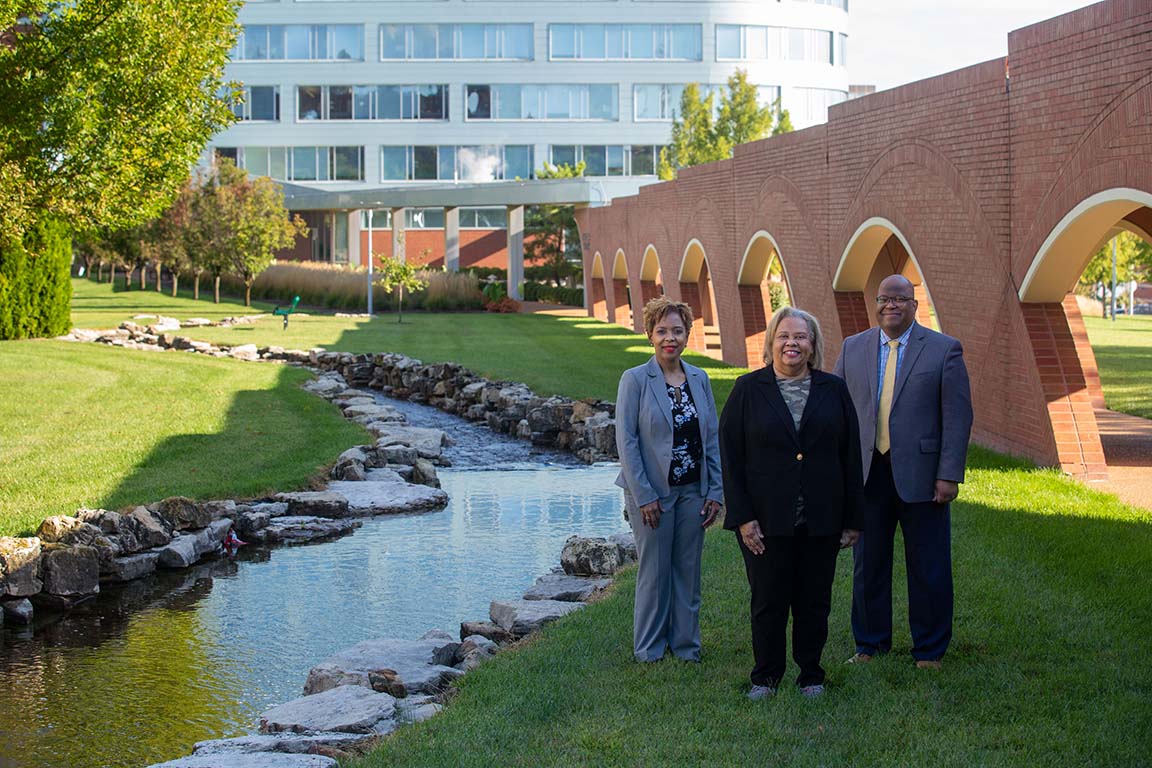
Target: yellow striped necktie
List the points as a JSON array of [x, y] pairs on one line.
[[883, 440]]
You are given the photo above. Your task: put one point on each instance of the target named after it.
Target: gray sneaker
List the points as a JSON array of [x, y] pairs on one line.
[[812, 691], [759, 692]]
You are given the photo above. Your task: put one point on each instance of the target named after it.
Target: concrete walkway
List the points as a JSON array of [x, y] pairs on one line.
[[544, 308], [1128, 449]]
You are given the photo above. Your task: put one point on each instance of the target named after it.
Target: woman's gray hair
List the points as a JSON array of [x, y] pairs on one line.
[[817, 359]]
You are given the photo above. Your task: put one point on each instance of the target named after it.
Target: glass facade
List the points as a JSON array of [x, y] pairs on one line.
[[299, 42], [372, 102], [260, 102], [608, 160], [300, 163], [456, 163], [457, 42], [542, 102], [621, 42], [735, 42]]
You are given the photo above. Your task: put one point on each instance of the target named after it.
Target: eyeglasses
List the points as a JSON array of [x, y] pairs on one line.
[[897, 300]]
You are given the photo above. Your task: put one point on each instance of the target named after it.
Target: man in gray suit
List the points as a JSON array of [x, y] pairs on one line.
[[910, 389]]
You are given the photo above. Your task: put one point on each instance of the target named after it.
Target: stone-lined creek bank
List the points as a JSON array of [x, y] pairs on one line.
[[144, 670]]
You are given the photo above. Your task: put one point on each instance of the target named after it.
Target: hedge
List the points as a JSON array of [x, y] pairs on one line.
[[35, 283], [542, 292]]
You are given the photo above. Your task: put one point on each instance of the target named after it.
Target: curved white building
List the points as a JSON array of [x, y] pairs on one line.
[[347, 95]]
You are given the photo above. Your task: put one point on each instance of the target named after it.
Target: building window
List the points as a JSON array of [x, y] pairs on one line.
[[810, 105], [754, 43], [542, 102], [662, 101], [372, 102], [446, 42], [299, 42], [381, 219], [451, 163], [303, 163], [483, 218], [842, 50], [608, 160], [260, 102], [614, 42]]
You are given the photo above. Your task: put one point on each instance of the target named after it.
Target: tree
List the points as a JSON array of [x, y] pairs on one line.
[[705, 133], [550, 231], [1133, 262], [106, 104], [206, 235], [399, 275], [165, 241]]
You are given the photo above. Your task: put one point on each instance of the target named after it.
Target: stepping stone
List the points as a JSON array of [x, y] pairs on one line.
[[569, 589], [367, 497], [348, 708], [521, 617]]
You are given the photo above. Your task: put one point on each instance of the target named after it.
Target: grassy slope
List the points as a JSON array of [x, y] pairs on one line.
[[89, 425], [1124, 356]]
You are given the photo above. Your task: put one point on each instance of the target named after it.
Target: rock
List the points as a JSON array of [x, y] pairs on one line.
[[411, 660], [384, 681], [387, 498], [181, 513], [627, 543], [248, 523], [285, 743], [270, 508], [298, 530], [349, 708], [245, 352], [416, 712], [315, 504], [130, 567], [250, 760], [354, 454], [443, 655], [426, 441], [148, 527], [520, 617], [373, 411], [387, 474], [399, 454], [325, 386], [71, 531], [218, 510], [349, 470], [19, 566], [181, 552], [71, 571], [560, 586], [493, 632], [424, 473], [474, 651], [591, 557], [18, 611]]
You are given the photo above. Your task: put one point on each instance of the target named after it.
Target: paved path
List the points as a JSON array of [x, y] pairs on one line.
[[1128, 449], [543, 308]]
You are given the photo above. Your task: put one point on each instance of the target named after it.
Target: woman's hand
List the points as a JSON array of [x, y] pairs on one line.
[[849, 537], [650, 514], [709, 512], [752, 537]]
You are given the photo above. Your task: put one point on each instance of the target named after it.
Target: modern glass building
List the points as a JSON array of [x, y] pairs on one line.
[[346, 95]]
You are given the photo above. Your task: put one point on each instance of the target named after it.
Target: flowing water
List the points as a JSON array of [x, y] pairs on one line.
[[144, 671]]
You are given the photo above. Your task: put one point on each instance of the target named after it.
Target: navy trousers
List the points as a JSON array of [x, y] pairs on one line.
[[927, 530]]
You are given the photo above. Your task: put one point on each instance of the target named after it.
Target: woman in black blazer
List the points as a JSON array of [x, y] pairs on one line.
[[789, 446]]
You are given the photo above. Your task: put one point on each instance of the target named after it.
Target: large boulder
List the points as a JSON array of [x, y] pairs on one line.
[[591, 557], [315, 504], [522, 617], [486, 629], [181, 513], [71, 572], [298, 530], [71, 532], [569, 589], [130, 567], [283, 742], [386, 498], [18, 611], [350, 709], [250, 760], [427, 442], [411, 662], [19, 566], [149, 528]]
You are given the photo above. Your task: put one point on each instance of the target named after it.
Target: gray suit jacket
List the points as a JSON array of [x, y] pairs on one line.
[[644, 432], [931, 408]]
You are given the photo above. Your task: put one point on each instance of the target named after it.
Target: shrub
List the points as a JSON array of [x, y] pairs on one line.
[[778, 295], [35, 283], [550, 293], [493, 292], [504, 305], [452, 291]]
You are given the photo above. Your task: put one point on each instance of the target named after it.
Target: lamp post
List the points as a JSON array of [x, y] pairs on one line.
[[370, 260]]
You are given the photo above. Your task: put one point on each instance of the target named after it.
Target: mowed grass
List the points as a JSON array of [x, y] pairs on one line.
[[578, 357], [1049, 665], [88, 425], [1123, 352]]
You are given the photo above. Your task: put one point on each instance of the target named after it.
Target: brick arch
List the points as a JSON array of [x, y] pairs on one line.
[[697, 289], [620, 308], [752, 285], [651, 285], [596, 279], [705, 279]]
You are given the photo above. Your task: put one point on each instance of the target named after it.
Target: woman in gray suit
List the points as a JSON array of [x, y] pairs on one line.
[[667, 438]]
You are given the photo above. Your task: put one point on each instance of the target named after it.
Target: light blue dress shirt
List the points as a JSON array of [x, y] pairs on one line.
[[884, 352]]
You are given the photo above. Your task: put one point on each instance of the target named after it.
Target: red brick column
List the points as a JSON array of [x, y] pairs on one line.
[[853, 312], [690, 295], [1059, 350], [599, 302], [1084, 351], [622, 310], [754, 306]]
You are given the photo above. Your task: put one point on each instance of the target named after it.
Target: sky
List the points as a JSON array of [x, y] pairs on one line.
[[898, 41]]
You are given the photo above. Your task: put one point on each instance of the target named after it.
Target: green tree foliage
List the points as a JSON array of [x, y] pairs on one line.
[[551, 236], [1133, 262], [106, 104], [35, 289], [400, 276], [706, 132], [165, 241]]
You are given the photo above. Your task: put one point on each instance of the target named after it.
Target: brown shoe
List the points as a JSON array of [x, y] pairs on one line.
[[859, 658], [928, 664]]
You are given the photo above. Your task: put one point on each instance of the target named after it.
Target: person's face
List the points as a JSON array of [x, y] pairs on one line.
[[895, 305], [791, 346], [669, 336]]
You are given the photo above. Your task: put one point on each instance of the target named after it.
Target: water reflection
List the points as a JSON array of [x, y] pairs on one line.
[[141, 673]]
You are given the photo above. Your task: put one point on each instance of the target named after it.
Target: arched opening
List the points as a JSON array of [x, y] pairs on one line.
[[877, 249], [696, 290], [621, 295], [599, 303], [763, 287], [651, 282], [1063, 296]]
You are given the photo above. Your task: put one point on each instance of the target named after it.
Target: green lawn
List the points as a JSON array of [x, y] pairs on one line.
[[82, 424], [1124, 356]]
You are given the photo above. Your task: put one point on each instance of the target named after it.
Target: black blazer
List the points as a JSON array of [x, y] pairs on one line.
[[767, 463]]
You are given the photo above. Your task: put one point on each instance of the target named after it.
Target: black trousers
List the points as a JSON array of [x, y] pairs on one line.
[[795, 575]]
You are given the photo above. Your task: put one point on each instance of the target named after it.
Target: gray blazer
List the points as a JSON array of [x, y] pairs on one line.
[[644, 433], [931, 408]]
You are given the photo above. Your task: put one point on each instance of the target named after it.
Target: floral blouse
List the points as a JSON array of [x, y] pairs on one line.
[[687, 445]]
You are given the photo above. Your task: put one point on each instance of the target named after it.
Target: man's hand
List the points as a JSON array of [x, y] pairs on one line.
[[752, 537], [849, 537], [946, 491], [650, 514], [709, 512]]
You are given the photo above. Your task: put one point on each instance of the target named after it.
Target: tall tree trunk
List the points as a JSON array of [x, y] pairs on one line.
[[159, 275], [128, 277], [175, 281], [143, 277], [216, 289], [196, 286], [248, 294], [112, 275]]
